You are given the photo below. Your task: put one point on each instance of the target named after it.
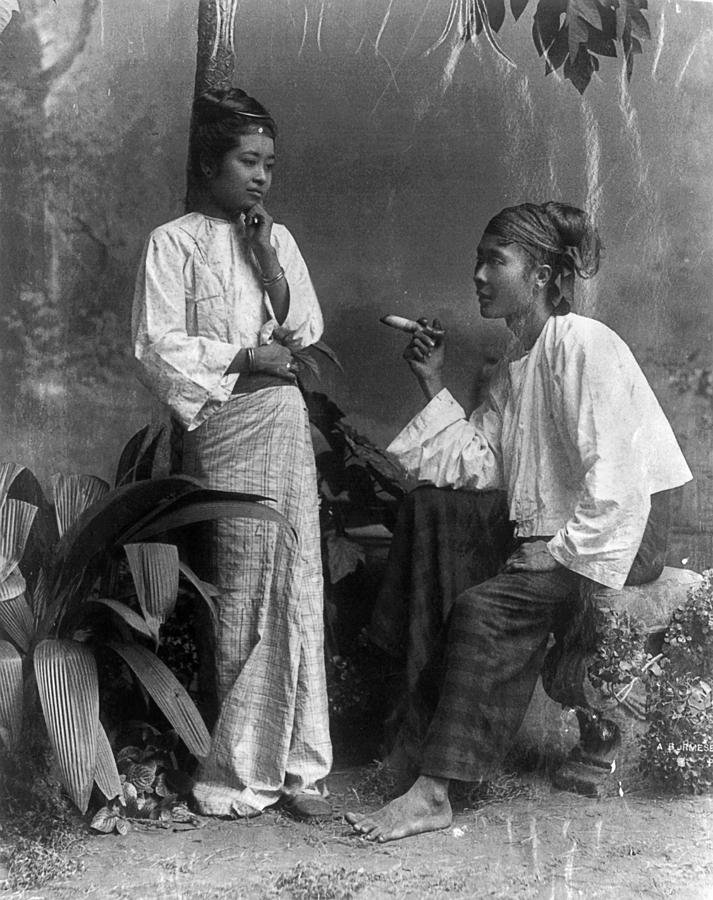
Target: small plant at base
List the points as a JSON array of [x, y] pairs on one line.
[[153, 787], [677, 750]]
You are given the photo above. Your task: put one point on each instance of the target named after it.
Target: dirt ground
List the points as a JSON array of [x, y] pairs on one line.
[[541, 843]]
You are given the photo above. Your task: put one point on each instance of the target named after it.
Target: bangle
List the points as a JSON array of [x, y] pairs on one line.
[[268, 282], [250, 353]]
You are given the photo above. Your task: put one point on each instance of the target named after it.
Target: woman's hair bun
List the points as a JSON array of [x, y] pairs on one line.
[[220, 118]]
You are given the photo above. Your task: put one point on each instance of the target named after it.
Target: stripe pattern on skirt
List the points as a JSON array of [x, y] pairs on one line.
[[272, 732]]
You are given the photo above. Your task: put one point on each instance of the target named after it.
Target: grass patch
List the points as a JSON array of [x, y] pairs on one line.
[[39, 824], [502, 789], [310, 883]]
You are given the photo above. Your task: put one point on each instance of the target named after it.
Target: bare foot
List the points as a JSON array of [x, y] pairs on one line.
[[425, 807]]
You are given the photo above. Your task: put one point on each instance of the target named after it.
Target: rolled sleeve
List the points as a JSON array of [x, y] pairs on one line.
[[441, 446]]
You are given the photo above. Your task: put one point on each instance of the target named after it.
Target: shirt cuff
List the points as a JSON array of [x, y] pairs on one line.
[[438, 414]]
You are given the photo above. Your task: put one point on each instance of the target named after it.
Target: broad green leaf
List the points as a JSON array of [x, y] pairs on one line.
[[139, 456], [68, 686], [10, 694], [39, 596], [343, 556], [327, 351], [517, 7], [545, 25], [7, 8], [490, 33], [195, 508], [12, 586], [107, 523], [17, 620], [589, 10], [105, 820], [8, 472], [129, 457], [73, 495], [132, 619], [496, 13], [154, 568], [106, 773], [168, 694], [18, 483], [205, 590], [16, 518]]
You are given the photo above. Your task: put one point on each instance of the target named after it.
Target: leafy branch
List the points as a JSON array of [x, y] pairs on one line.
[[572, 34]]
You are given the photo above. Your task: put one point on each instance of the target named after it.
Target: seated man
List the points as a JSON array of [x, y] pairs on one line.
[[573, 434]]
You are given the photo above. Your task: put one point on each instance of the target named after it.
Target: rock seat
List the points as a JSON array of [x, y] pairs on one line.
[[603, 741]]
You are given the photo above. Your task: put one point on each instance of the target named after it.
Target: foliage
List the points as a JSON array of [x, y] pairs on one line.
[[567, 33], [358, 483], [154, 788], [85, 576], [622, 664], [678, 747], [7, 7], [37, 820]]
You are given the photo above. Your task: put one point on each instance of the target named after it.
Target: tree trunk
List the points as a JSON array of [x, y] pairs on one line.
[[215, 59]]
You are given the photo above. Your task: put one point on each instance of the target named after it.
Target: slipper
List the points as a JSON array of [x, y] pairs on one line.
[[306, 807], [239, 810]]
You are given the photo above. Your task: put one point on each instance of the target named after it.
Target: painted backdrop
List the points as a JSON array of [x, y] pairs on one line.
[[391, 161]]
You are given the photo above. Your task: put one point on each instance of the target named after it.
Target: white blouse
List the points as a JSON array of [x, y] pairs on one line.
[[199, 299], [574, 434]]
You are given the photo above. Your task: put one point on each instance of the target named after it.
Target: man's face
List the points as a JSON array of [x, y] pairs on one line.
[[504, 278]]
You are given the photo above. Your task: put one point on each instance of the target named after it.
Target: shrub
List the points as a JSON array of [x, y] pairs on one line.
[[678, 747]]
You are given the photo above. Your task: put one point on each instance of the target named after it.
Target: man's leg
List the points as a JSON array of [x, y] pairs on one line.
[[445, 542], [497, 640]]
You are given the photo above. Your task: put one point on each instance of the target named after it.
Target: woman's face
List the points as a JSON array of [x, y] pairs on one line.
[[243, 176], [504, 277]]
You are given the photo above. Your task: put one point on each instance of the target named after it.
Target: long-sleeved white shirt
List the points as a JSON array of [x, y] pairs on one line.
[[574, 434], [199, 299]]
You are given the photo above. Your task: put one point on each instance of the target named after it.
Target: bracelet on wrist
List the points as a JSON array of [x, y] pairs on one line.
[[268, 282], [250, 353]]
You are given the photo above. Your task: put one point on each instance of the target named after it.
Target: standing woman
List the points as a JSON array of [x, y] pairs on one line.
[[222, 298]]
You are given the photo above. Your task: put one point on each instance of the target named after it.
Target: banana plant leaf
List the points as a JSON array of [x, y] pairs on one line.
[[10, 694], [106, 773], [9, 471], [73, 495], [169, 695], [206, 591], [12, 586], [17, 621], [68, 685], [106, 524], [206, 506], [18, 483], [39, 596], [132, 619], [154, 568], [160, 519], [16, 518], [139, 456]]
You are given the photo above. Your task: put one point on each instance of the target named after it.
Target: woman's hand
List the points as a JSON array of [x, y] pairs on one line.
[[425, 355], [532, 556], [258, 228], [275, 359]]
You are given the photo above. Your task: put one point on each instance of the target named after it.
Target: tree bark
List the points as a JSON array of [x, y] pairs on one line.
[[215, 60]]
